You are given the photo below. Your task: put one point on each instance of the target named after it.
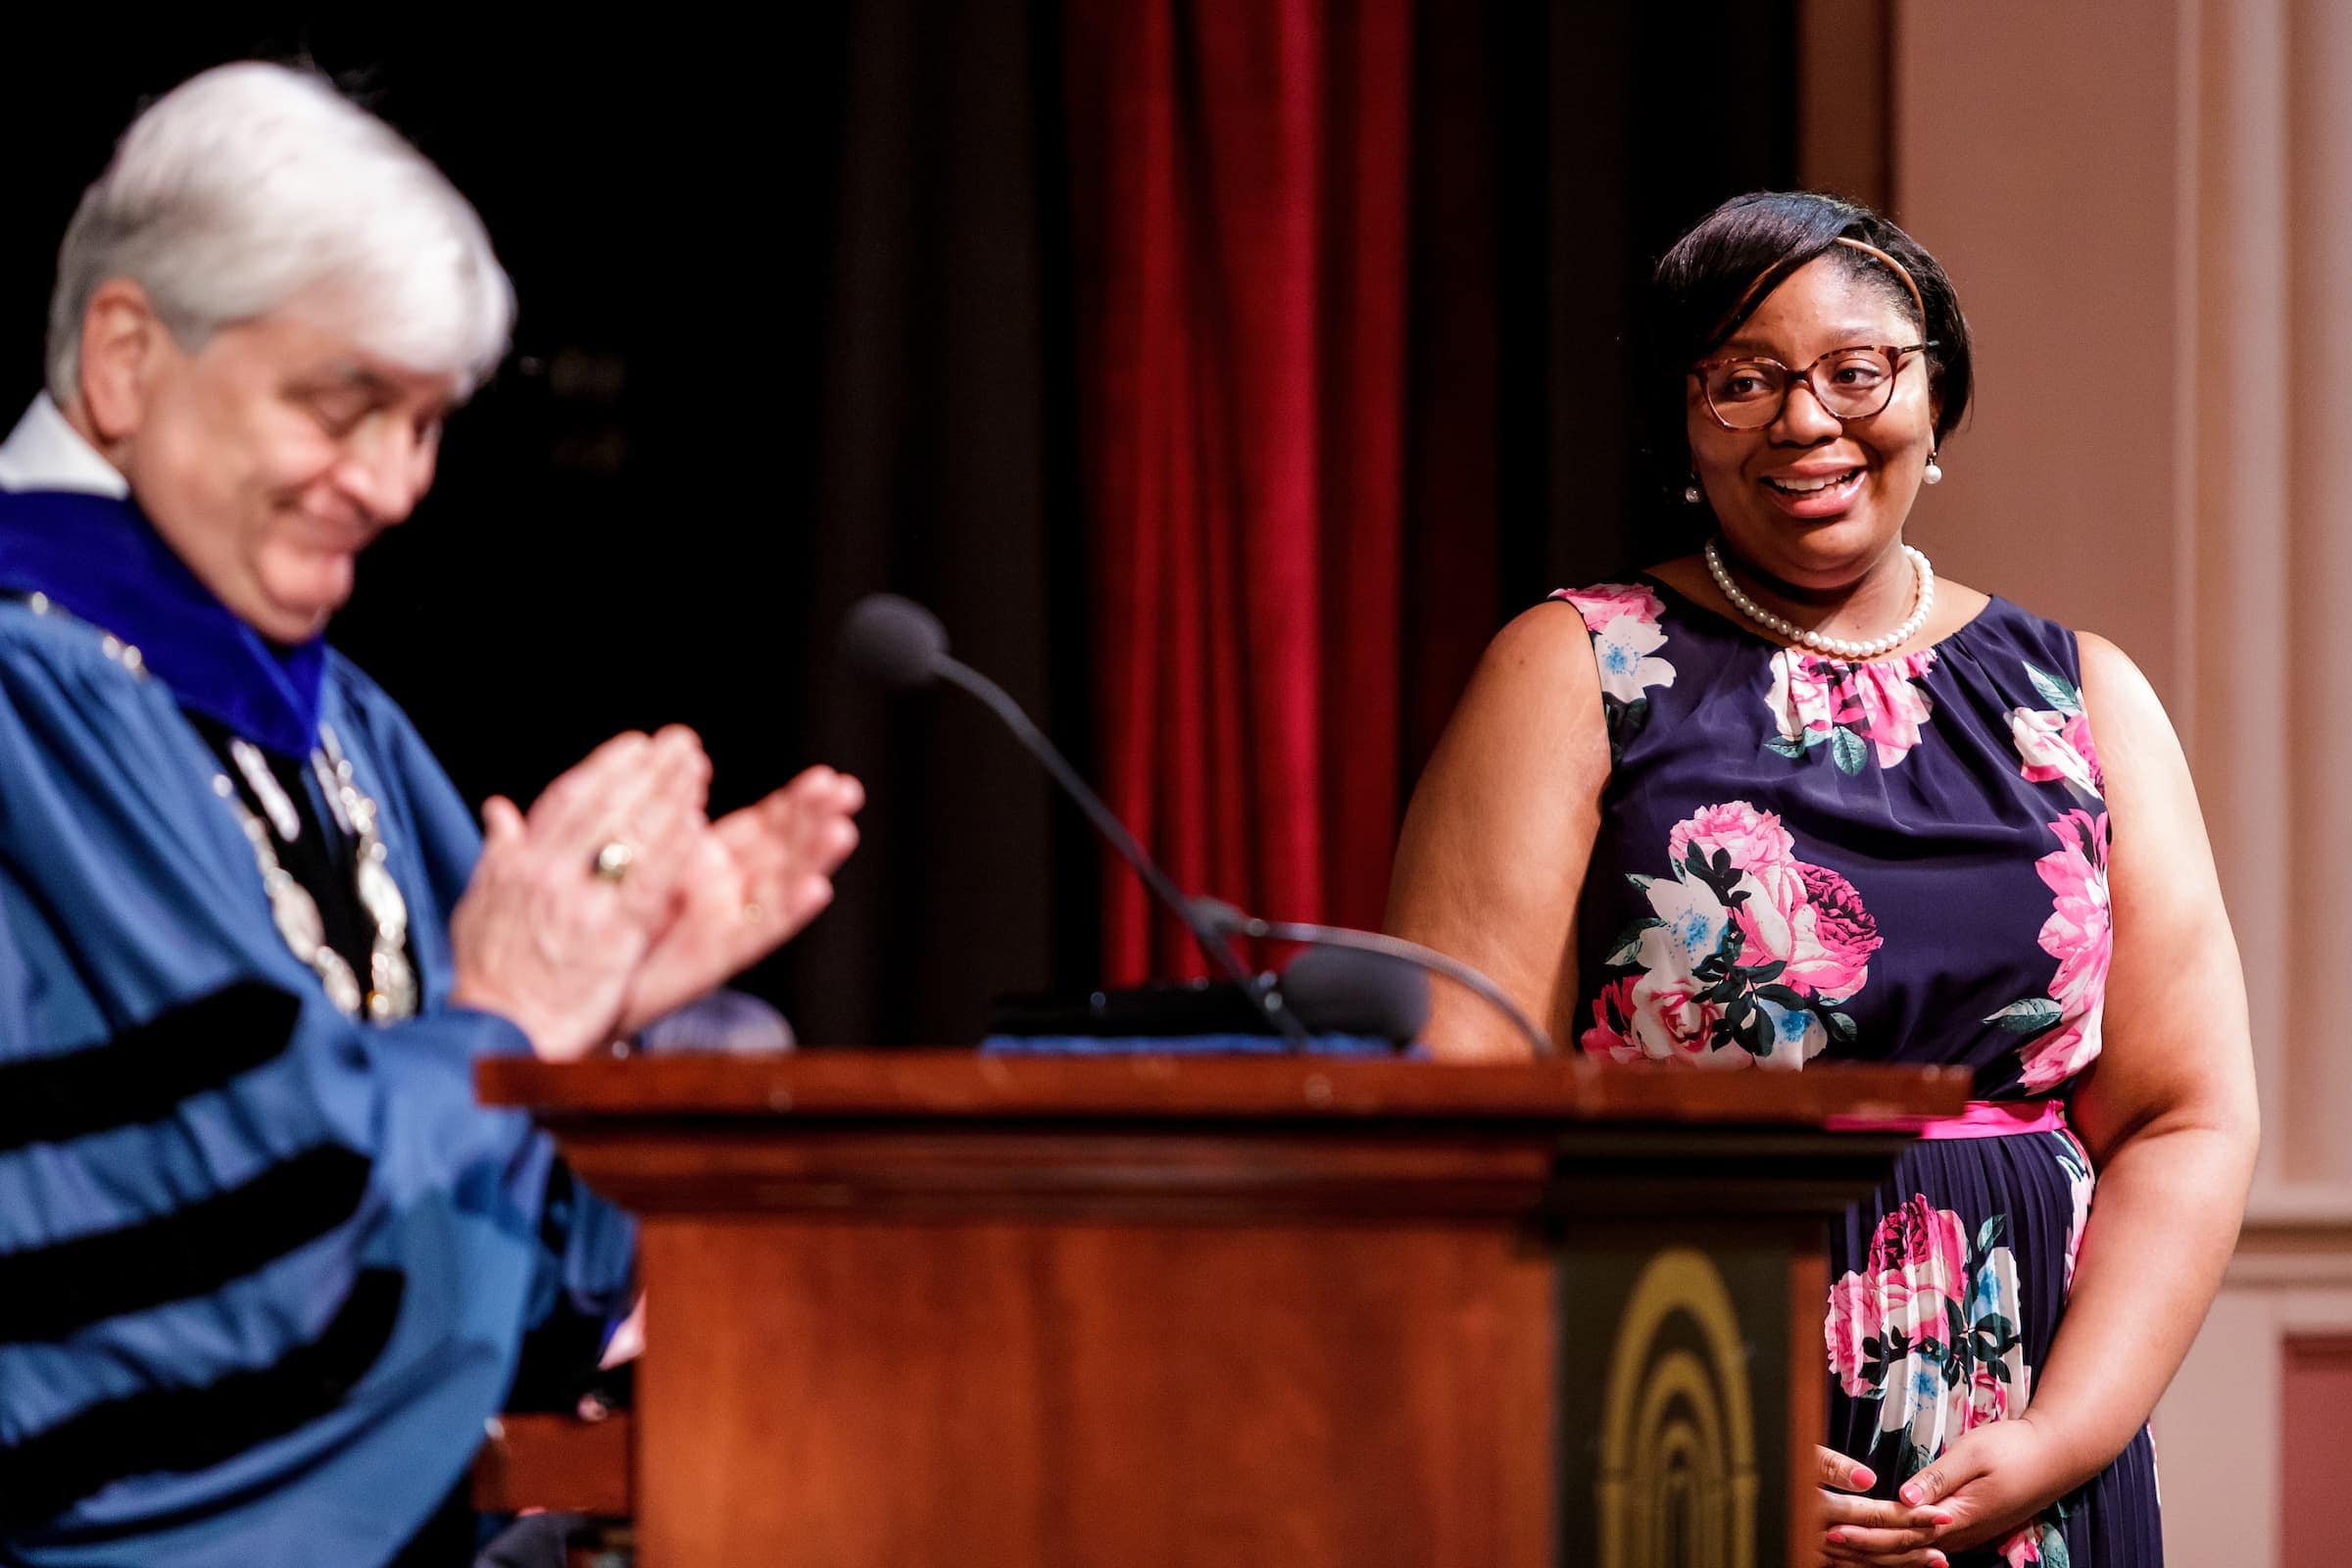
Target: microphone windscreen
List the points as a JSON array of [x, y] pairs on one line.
[[894, 641], [1339, 991], [1218, 915]]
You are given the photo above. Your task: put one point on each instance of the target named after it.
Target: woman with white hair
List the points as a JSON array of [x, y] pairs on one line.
[[264, 1265]]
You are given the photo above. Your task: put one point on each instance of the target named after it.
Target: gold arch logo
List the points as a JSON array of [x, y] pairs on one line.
[[1678, 1454]]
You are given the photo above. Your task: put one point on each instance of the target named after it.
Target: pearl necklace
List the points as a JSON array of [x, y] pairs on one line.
[[1923, 574]]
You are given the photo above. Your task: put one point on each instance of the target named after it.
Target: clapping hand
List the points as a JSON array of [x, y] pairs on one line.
[[753, 880], [544, 936], [615, 900]]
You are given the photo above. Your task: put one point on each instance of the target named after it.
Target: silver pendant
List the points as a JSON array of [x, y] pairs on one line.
[[342, 986], [392, 990], [265, 788], [292, 909], [381, 895], [295, 912]]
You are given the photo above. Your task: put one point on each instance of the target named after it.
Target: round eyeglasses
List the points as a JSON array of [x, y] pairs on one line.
[[1850, 383]]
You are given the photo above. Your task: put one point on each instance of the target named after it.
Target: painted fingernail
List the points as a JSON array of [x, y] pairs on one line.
[[1835, 1539], [1862, 1476], [1942, 1518], [1911, 1493]]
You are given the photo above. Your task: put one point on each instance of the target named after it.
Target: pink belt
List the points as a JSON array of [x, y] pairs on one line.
[[1984, 1118]]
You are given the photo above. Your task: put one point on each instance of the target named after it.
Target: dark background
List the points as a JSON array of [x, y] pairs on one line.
[[795, 326]]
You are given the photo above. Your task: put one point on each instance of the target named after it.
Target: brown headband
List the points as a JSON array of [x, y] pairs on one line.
[[1739, 310], [1899, 270]]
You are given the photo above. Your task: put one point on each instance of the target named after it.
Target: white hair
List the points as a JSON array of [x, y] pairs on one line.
[[251, 184]]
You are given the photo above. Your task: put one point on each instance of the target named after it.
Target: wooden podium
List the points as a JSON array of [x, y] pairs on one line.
[[943, 1309]]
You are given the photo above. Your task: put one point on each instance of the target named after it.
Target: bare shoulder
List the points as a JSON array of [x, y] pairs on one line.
[[2109, 665], [1501, 826], [1534, 701], [2176, 1041], [2126, 717], [2144, 774], [1530, 721], [1544, 642]]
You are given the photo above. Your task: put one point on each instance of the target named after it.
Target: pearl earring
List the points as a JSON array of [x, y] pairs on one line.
[[1692, 495], [1933, 473]]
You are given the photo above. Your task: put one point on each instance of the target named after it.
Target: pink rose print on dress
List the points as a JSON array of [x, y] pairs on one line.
[[1605, 603], [1858, 711], [1835, 959], [1623, 621], [2074, 1160], [1612, 1017], [1930, 1328], [1753, 840], [2054, 743], [1926, 1244], [1674, 1018], [1747, 953], [2040, 1541], [2065, 1026]]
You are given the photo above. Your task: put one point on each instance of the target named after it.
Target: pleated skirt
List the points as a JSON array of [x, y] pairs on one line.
[[1947, 1287]]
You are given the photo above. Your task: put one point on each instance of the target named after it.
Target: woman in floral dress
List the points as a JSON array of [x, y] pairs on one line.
[[1794, 798]]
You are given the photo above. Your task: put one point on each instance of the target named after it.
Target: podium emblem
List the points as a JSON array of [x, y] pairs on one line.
[[1677, 1481]]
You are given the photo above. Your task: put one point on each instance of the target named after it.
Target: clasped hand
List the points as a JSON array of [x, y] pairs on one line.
[[577, 960], [1991, 1481]]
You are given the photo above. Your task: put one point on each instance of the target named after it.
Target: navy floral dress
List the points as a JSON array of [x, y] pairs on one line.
[[1898, 860]]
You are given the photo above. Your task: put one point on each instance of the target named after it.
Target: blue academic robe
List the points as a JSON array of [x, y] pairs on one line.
[[265, 1270]]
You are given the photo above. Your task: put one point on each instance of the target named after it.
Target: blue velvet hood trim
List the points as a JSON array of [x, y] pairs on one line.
[[101, 560]]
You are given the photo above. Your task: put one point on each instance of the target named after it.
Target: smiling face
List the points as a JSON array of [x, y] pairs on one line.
[[1808, 499], [270, 458]]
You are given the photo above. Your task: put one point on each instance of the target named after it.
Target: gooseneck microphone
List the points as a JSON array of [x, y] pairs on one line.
[[1347, 991], [901, 645], [1229, 921]]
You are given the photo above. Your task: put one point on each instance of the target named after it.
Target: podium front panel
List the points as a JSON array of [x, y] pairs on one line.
[[1299, 1313]]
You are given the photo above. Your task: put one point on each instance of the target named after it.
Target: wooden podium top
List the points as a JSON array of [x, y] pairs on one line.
[[950, 1085], [934, 1131]]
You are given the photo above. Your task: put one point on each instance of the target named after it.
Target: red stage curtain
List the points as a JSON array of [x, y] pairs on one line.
[[1241, 216]]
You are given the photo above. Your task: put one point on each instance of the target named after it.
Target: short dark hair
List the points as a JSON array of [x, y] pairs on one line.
[[1714, 277]]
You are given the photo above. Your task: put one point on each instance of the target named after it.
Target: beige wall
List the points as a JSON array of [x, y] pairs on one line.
[[2147, 207], [2047, 190]]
